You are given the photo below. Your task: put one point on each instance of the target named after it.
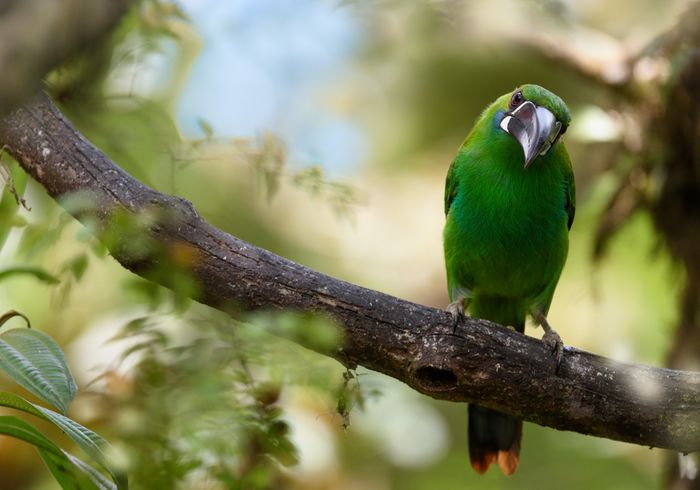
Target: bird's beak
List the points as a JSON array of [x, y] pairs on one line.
[[535, 128]]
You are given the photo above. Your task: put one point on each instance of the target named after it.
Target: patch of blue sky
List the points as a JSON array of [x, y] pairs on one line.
[[265, 65]]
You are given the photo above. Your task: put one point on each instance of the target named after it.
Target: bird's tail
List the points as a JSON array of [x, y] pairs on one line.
[[494, 437]]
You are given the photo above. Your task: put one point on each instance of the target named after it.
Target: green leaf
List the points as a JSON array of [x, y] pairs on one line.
[[37, 272], [78, 265], [61, 469], [70, 472], [90, 442], [100, 481], [34, 361], [19, 429]]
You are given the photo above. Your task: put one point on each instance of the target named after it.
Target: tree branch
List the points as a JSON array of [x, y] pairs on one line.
[[480, 362], [37, 35]]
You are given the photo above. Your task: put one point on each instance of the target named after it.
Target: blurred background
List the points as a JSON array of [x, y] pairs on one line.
[[322, 130]]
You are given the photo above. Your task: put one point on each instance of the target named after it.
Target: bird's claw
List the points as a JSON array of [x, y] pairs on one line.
[[554, 344], [456, 310]]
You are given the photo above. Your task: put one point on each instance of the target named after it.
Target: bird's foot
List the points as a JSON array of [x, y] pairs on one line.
[[552, 341], [456, 310]]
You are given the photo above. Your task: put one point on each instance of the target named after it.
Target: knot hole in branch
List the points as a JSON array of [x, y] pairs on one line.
[[434, 378]]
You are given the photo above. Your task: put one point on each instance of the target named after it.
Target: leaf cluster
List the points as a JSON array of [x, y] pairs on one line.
[[35, 362]]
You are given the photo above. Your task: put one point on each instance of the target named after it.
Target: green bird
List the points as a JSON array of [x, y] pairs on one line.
[[509, 204]]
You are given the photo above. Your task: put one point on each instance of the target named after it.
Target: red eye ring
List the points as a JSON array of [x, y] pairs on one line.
[[516, 100]]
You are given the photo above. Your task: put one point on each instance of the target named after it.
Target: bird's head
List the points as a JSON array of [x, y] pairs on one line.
[[535, 117]]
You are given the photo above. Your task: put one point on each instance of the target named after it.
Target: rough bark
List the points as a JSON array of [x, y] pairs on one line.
[[480, 361], [37, 35]]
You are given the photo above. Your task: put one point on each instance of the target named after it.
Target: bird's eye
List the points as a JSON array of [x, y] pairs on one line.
[[516, 100], [563, 130]]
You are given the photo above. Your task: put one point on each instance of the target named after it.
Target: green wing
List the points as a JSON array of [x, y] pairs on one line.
[[450, 187], [570, 187]]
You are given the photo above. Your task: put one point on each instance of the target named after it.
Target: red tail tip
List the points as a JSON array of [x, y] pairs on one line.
[[482, 462], [508, 461]]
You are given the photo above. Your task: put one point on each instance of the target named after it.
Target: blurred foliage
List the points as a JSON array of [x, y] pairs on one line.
[[267, 158], [203, 401]]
